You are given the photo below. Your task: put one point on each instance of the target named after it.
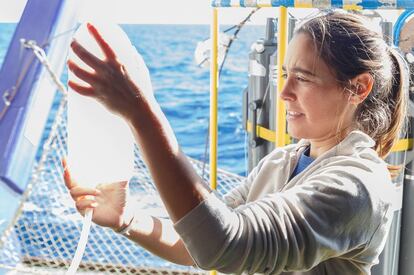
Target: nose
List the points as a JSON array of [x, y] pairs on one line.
[[287, 93]]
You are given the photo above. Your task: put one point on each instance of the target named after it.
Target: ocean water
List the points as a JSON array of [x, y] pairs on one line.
[[182, 88]]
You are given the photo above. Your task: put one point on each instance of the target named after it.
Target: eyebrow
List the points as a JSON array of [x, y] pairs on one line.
[[300, 70]]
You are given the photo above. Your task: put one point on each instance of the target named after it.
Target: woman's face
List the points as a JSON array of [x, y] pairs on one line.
[[316, 104]]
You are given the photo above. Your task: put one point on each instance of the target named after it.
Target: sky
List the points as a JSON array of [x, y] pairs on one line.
[[148, 12]]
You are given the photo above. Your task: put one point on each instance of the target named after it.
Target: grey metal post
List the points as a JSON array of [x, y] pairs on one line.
[[406, 260], [257, 95], [387, 32]]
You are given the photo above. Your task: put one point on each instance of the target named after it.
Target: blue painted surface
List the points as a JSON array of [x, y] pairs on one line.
[[337, 3], [285, 3], [20, 128], [17, 152], [18, 145], [375, 4], [405, 4]]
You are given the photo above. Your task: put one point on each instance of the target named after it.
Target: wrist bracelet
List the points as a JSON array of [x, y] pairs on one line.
[[125, 230]]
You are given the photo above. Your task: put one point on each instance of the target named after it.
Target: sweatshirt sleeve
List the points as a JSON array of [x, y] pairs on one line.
[[332, 213], [238, 195]]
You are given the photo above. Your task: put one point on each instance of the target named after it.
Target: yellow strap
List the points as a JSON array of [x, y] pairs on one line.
[[270, 135], [403, 145], [303, 4], [265, 133], [353, 7]]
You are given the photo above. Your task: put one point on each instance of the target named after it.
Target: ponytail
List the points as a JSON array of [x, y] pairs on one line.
[[397, 101]]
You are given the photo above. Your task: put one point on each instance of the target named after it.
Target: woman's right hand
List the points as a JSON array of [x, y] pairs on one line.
[[109, 201]]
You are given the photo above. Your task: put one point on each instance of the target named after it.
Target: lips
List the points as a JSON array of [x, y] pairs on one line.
[[293, 115]]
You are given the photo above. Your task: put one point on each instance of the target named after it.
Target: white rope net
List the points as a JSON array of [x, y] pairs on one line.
[[43, 236]]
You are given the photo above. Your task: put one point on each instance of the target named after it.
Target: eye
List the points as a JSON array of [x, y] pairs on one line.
[[301, 79], [284, 75]]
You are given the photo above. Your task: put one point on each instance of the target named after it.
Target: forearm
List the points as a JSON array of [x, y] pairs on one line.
[[179, 186], [159, 237]]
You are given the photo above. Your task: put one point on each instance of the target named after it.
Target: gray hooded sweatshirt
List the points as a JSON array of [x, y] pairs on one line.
[[332, 218]]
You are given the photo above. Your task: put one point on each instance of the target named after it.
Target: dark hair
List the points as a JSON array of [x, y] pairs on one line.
[[349, 46]]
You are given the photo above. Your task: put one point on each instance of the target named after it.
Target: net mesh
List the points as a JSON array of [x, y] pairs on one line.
[[43, 236]]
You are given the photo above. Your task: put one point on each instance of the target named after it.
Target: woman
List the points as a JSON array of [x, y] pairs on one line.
[[316, 207]]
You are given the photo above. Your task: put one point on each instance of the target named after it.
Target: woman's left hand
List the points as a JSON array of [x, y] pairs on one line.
[[110, 83]]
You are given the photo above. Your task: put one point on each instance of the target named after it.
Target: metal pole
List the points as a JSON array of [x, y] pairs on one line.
[[213, 101], [213, 98], [280, 108]]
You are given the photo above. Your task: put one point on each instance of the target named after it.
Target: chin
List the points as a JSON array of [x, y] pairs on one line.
[[296, 133]]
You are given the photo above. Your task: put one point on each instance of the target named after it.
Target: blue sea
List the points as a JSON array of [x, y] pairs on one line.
[[182, 88]]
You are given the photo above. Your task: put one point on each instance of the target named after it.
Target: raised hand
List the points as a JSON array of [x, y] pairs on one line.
[[110, 82]]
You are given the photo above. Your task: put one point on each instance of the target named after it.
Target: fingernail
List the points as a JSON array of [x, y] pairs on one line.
[[94, 204], [97, 192]]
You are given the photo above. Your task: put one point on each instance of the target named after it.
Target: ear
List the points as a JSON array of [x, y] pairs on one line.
[[361, 87]]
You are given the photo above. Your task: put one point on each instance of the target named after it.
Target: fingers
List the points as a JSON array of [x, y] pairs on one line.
[[79, 191], [107, 50], [83, 90], [85, 55], [83, 196], [76, 191], [83, 204], [82, 74], [66, 175]]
